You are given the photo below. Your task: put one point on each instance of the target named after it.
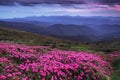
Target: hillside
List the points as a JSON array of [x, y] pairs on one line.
[[22, 62], [14, 43], [59, 39], [79, 32], [22, 37]]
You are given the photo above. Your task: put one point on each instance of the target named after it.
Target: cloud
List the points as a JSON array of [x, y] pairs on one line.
[[110, 2], [33, 2], [61, 2], [19, 11], [75, 4], [116, 7]]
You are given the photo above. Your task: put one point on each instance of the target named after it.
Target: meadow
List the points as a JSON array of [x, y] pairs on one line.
[[21, 62], [26, 56]]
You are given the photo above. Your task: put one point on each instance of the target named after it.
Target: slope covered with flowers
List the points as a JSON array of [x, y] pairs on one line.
[[21, 62]]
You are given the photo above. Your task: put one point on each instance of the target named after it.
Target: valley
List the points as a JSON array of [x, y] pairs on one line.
[[100, 29]]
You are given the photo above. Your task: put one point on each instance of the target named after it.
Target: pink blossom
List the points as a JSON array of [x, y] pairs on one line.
[[9, 75]]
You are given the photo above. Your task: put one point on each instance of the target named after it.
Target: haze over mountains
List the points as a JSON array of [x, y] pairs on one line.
[[76, 28]]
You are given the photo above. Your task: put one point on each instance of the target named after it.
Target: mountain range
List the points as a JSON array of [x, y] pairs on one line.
[[85, 29]]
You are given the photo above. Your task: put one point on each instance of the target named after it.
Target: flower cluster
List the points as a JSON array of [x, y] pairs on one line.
[[21, 62], [114, 55]]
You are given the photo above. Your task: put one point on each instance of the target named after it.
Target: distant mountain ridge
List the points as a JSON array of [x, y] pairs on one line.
[[77, 20], [70, 30], [91, 29]]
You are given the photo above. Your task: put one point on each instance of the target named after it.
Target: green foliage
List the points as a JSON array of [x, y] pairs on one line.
[[116, 75], [80, 48], [17, 60], [116, 66], [106, 46]]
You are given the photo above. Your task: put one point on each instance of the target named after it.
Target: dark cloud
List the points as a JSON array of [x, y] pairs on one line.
[[6, 2], [110, 2], [32, 2], [62, 2]]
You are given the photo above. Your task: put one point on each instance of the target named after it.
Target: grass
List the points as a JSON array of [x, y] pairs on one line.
[[82, 47], [106, 46], [22, 37], [116, 66]]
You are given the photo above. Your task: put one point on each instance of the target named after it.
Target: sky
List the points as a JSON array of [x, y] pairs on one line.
[[25, 8]]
